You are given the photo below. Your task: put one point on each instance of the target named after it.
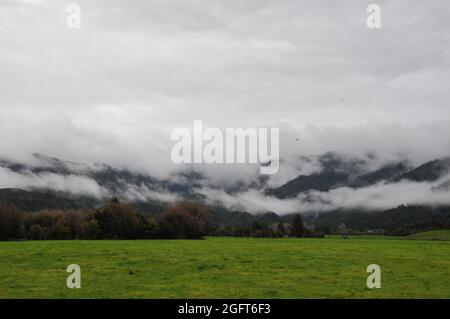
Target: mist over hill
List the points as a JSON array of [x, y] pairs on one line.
[[337, 183]]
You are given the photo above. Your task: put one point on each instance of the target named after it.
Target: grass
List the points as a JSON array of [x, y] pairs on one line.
[[432, 235], [226, 268]]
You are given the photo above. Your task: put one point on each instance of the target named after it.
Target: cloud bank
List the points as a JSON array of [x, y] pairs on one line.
[[114, 90], [381, 196]]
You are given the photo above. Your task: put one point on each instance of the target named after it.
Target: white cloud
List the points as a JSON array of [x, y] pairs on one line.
[[142, 193], [376, 197], [115, 89], [72, 184]]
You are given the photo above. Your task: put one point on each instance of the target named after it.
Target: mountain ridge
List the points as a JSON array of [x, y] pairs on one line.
[[143, 190]]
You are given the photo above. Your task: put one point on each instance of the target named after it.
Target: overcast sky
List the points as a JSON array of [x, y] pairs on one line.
[[114, 90]]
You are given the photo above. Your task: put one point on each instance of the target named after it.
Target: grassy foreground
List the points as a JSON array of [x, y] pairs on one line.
[[226, 268]]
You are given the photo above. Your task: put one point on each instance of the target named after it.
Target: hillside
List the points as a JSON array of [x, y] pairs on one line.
[[38, 200], [339, 171], [428, 172], [57, 184], [402, 220]]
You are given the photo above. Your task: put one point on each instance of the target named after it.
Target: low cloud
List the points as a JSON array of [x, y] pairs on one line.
[[142, 193], [81, 185], [251, 199], [376, 197], [72, 184], [383, 196]]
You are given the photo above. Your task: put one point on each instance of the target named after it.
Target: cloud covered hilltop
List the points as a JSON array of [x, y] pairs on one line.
[[322, 183], [114, 90]]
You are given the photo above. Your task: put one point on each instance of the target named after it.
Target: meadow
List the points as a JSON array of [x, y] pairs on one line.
[[219, 267], [432, 235]]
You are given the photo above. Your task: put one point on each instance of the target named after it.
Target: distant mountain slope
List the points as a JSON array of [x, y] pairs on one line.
[[321, 182], [344, 173], [269, 218], [228, 218], [385, 173], [38, 200], [33, 201], [410, 219], [336, 171], [123, 183], [339, 172], [428, 172], [151, 195]]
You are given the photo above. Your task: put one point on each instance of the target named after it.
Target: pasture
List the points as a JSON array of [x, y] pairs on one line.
[[221, 267]]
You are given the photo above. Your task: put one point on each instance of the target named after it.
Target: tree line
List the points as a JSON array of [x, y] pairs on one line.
[[260, 229], [116, 220]]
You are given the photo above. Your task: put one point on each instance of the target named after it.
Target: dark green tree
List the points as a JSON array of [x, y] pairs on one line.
[[298, 230], [11, 219], [185, 220], [119, 221]]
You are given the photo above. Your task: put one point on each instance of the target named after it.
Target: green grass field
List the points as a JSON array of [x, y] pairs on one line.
[[226, 268], [432, 235]]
